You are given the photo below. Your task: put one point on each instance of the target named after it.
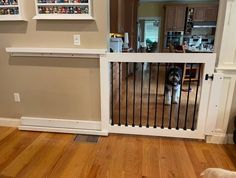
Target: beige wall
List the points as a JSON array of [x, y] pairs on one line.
[[51, 87]]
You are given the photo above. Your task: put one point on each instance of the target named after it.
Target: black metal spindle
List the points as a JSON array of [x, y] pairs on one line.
[[157, 83], [141, 98], [196, 97], [171, 105], [189, 88], [163, 107], [149, 90], [112, 95], [134, 95], [180, 96], [126, 114], [119, 94]]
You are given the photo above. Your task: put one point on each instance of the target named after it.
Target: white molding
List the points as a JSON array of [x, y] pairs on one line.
[[208, 58], [60, 123], [63, 17], [64, 130], [9, 122], [220, 138], [157, 132], [226, 68], [56, 52], [62, 126]]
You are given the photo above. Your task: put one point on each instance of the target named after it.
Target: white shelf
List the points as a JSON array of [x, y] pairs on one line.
[[63, 16], [56, 52], [13, 17], [62, 4], [8, 6]]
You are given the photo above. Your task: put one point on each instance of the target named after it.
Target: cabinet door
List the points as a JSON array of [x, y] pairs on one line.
[[180, 17], [211, 13], [170, 18], [199, 14]]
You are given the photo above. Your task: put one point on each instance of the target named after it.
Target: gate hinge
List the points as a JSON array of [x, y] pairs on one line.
[[207, 77]]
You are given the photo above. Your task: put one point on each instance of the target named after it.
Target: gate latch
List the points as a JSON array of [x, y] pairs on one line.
[[207, 77]]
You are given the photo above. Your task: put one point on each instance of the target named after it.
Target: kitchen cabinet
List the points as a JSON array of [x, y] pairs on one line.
[[205, 13], [211, 13], [175, 18]]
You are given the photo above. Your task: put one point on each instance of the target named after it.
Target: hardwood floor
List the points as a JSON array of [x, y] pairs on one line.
[[41, 155]]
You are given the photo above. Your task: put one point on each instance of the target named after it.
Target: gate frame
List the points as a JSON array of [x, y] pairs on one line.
[[208, 61]]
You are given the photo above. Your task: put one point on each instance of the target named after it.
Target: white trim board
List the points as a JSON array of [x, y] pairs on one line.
[[9, 122], [220, 139], [63, 130], [62, 126], [156, 132], [55, 52]]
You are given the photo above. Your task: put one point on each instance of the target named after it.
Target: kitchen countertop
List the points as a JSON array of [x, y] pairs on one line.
[[198, 51]]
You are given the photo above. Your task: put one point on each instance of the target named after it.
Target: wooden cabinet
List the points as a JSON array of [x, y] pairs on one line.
[[199, 14], [175, 18], [211, 13], [205, 13]]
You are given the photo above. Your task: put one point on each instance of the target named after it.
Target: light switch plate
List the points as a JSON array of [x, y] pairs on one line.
[[77, 40]]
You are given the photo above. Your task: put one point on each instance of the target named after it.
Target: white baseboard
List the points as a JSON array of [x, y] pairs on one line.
[[64, 130], [220, 139], [62, 126], [9, 122]]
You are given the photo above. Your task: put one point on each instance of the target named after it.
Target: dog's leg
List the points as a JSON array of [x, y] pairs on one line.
[[176, 94], [168, 95]]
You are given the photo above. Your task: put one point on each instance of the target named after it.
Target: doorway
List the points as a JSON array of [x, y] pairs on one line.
[[148, 37]]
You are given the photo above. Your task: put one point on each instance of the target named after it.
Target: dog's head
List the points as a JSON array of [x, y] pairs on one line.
[[174, 76]]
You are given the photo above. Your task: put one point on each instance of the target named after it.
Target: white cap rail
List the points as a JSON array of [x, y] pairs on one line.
[[56, 52]]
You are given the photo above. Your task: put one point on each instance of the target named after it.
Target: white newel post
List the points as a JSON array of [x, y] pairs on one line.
[[104, 92]]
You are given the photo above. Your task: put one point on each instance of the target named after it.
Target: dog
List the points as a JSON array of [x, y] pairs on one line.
[[173, 81], [218, 173]]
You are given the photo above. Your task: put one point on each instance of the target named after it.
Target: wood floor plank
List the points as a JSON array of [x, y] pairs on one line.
[[47, 155], [25, 157], [45, 159], [78, 158], [6, 131], [14, 145]]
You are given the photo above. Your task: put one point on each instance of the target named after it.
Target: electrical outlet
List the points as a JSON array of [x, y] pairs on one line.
[[17, 97], [77, 40]]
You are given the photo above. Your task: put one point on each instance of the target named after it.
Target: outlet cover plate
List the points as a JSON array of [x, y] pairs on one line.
[[17, 97]]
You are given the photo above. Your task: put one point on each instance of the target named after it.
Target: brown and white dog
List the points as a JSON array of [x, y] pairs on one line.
[[218, 173]]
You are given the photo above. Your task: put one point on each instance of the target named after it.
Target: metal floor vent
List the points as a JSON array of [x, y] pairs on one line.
[[86, 139]]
